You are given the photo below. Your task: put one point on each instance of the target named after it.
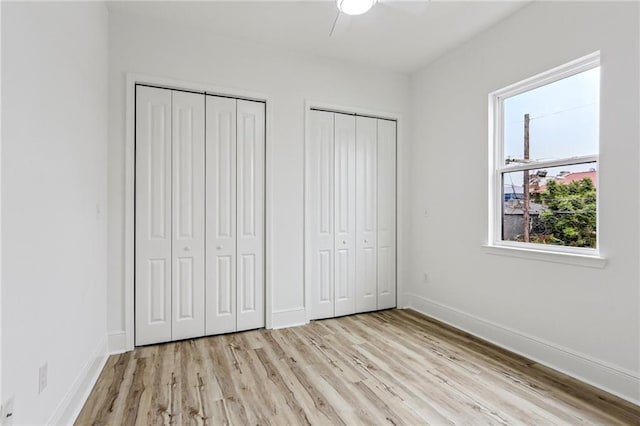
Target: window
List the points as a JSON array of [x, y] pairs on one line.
[[545, 160]]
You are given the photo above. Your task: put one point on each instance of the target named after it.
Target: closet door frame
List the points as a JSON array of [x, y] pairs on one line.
[[121, 341], [310, 105]]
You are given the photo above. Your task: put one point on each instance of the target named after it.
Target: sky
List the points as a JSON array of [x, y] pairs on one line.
[[564, 122], [564, 118]]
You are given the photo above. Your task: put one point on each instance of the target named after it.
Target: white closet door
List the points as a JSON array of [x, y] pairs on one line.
[[345, 213], [188, 215], [366, 212], [386, 214], [250, 214], [153, 216], [320, 215], [221, 215]]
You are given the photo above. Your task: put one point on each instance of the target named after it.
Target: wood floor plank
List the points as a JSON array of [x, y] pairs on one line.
[[280, 380], [448, 371], [389, 367], [194, 412], [521, 372], [326, 411], [145, 404], [134, 396], [115, 398], [101, 390]]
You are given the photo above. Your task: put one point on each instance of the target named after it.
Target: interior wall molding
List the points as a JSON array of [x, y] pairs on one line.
[[601, 374], [69, 408], [116, 342], [289, 318]]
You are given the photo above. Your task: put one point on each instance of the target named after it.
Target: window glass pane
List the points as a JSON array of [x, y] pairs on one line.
[[560, 209], [564, 119]]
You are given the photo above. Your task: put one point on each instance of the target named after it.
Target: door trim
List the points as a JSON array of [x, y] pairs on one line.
[[401, 180], [129, 203]]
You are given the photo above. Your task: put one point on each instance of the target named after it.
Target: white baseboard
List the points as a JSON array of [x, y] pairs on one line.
[[403, 300], [70, 406], [289, 318], [117, 342], [610, 378]]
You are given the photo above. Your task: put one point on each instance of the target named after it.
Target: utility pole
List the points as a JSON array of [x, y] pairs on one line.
[[525, 177]]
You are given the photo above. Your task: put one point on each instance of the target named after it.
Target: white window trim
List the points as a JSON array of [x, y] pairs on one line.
[[571, 255], [532, 253]]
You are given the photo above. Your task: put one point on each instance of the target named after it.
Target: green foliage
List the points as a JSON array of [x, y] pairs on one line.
[[569, 216]]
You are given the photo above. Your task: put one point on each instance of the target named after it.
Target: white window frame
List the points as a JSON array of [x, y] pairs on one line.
[[496, 168]]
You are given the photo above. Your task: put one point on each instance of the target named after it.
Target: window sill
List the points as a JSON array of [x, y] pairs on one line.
[[589, 261]]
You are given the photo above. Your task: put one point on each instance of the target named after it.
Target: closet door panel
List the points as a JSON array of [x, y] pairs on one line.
[[153, 216], [345, 213], [319, 258], [386, 214], [188, 215], [221, 215], [366, 214], [250, 214]]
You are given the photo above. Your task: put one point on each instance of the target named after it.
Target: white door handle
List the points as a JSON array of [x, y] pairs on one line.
[[187, 248], [218, 247], [344, 241]]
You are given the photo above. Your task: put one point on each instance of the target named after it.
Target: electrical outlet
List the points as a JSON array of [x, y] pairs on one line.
[[7, 412], [426, 213], [42, 382]]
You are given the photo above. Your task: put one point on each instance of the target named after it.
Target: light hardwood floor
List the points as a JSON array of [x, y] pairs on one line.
[[389, 367]]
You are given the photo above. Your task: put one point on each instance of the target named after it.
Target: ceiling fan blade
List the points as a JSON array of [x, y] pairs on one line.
[[340, 25], [412, 7]]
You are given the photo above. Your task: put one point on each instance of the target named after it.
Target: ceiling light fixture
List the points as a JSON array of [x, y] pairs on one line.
[[355, 7]]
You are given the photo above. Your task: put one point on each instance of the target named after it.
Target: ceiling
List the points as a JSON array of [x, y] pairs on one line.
[[396, 35]]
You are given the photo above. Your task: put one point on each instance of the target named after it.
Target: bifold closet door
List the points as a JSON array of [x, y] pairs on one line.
[[345, 213], [366, 214], [386, 214], [153, 216], [221, 215], [320, 215], [350, 230], [188, 310], [169, 250], [250, 133], [235, 162]]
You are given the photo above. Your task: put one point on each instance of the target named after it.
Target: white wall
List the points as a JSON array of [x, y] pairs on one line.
[[161, 49], [54, 115], [581, 320]]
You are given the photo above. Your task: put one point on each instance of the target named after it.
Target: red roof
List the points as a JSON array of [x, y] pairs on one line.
[[576, 176], [572, 177]]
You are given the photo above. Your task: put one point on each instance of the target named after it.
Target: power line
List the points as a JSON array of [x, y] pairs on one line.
[[556, 112]]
